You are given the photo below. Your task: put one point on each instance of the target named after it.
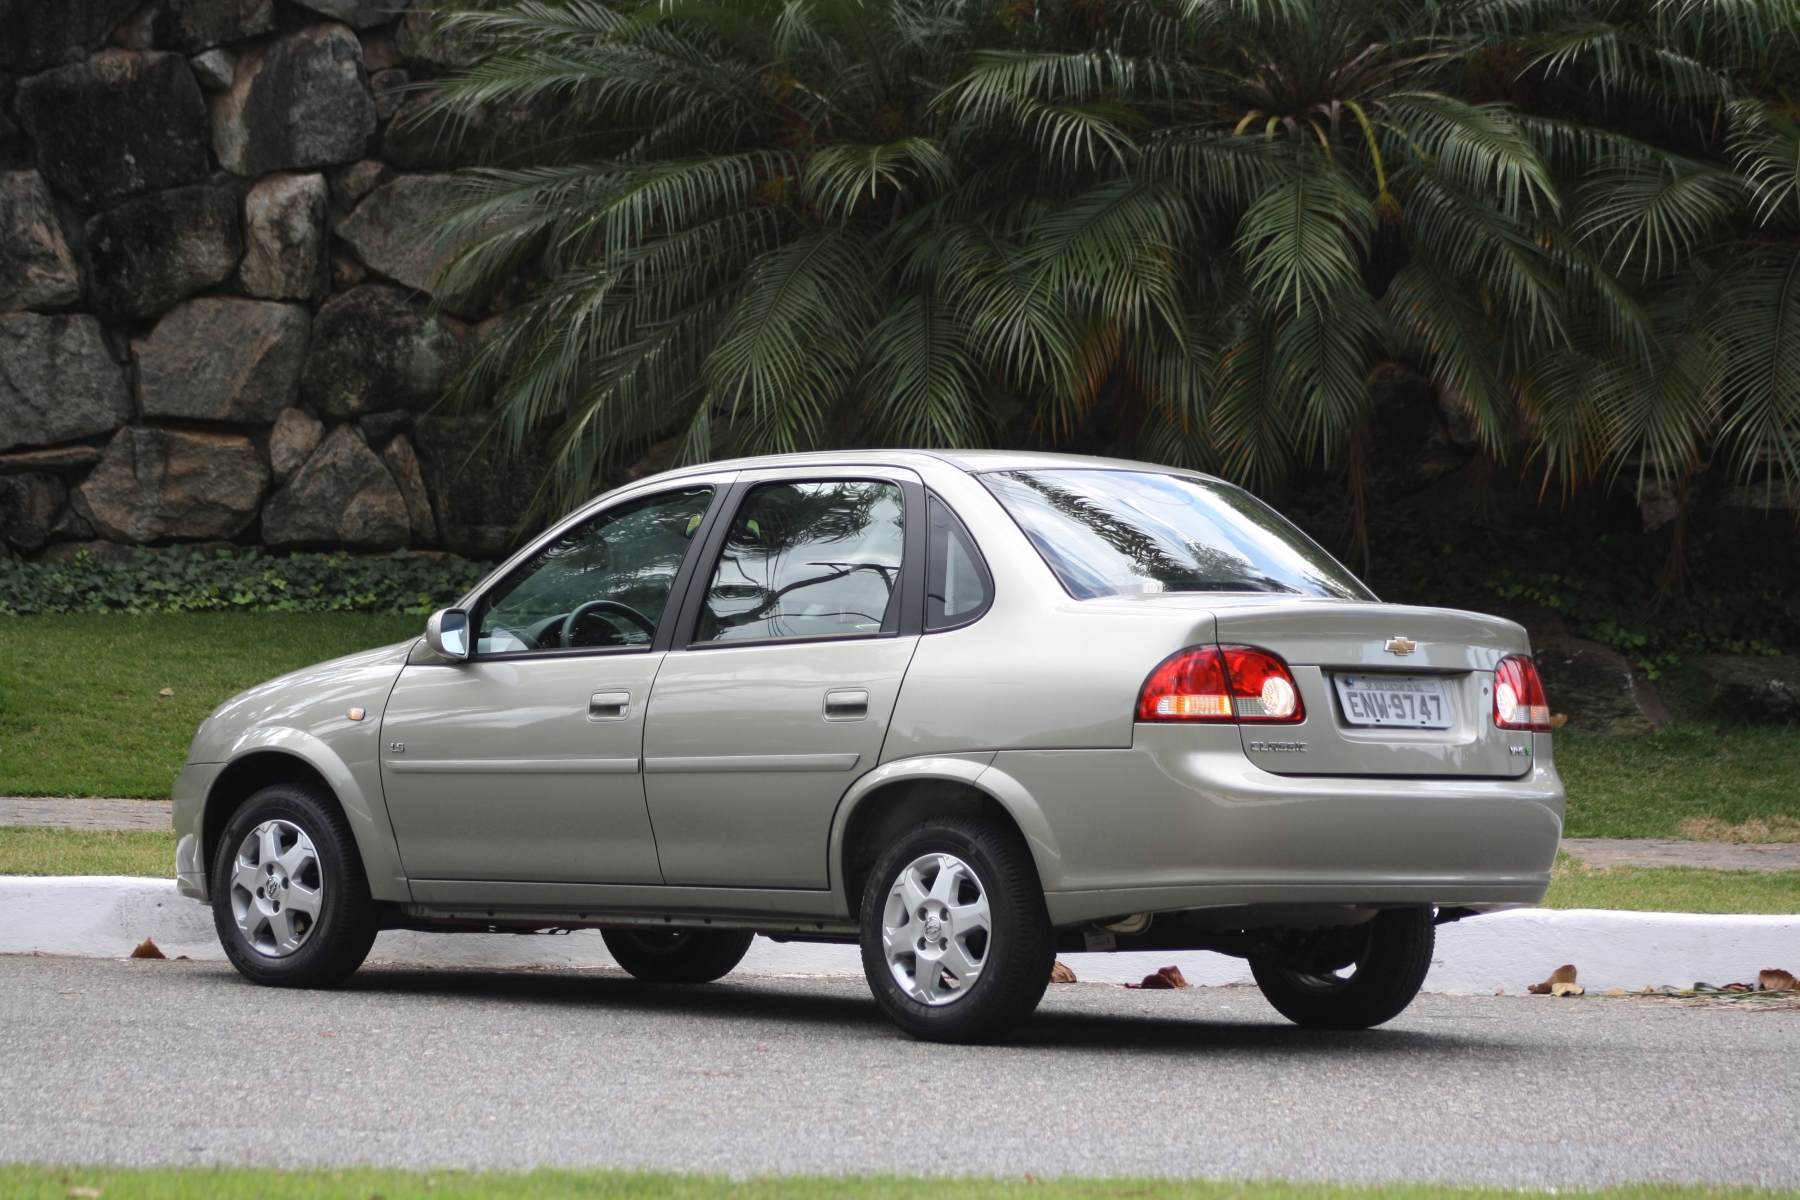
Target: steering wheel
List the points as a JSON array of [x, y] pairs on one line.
[[606, 606]]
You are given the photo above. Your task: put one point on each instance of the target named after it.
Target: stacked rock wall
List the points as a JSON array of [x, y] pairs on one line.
[[214, 317]]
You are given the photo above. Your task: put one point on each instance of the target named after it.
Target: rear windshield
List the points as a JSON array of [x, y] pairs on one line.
[[1116, 533]]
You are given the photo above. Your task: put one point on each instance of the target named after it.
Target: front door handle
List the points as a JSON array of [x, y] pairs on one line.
[[847, 704], [609, 706]]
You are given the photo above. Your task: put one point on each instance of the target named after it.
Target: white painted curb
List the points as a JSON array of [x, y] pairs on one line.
[[105, 916]]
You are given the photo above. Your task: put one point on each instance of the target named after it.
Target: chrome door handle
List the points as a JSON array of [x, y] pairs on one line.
[[847, 704], [609, 706]]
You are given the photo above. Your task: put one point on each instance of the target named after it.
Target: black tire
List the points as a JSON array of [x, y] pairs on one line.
[[337, 939], [678, 955], [1389, 972], [1016, 954]]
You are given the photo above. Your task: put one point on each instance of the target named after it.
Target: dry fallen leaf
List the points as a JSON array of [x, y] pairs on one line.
[[1777, 981], [1562, 974], [1567, 989], [1061, 973], [1615, 992], [1164, 979], [166, 692], [147, 949], [83, 1193]]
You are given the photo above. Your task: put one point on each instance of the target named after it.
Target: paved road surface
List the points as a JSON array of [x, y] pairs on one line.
[[176, 1062]]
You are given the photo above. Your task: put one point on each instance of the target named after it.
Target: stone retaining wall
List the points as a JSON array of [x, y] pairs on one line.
[[214, 314]]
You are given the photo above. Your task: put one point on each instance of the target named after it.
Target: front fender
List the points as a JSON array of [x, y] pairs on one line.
[[971, 769], [356, 781]]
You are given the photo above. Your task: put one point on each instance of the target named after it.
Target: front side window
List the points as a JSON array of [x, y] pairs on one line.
[[1114, 533], [808, 560], [602, 584]]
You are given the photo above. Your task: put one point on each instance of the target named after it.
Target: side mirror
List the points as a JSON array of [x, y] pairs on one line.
[[447, 632]]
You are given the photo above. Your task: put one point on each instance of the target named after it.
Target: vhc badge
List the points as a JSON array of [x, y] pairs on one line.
[[1400, 645]]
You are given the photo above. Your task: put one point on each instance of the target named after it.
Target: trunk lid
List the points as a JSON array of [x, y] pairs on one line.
[[1366, 672]]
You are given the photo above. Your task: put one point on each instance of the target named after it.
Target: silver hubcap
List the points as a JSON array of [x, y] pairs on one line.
[[936, 929], [277, 887]]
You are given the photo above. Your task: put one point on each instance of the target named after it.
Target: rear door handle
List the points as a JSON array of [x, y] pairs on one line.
[[609, 706], [847, 704]]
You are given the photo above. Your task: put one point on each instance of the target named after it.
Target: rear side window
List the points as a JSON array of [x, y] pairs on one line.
[[958, 588], [808, 560], [1116, 533]]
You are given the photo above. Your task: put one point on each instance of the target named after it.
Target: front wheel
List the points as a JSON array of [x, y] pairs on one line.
[[677, 955], [1388, 970], [956, 941], [290, 899]]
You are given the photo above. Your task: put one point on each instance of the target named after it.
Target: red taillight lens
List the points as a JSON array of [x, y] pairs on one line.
[[1519, 701], [1221, 683]]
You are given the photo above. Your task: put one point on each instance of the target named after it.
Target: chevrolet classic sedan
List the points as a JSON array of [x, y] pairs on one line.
[[962, 709]]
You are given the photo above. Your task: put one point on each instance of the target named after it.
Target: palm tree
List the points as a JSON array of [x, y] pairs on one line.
[[764, 225]]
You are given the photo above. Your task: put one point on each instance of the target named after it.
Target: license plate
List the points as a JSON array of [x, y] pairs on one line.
[[1394, 700]]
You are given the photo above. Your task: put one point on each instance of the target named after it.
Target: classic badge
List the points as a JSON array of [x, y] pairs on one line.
[[1400, 645]]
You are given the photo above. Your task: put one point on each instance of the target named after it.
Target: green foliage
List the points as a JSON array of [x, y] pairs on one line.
[[753, 226], [180, 579], [1573, 884]]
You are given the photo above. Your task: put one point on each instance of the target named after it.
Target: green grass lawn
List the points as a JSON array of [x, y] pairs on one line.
[[28, 851], [1687, 781], [56, 1183], [81, 712]]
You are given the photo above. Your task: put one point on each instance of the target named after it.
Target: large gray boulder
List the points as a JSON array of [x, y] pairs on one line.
[[358, 14], [172, 483], [284, 238], [390, 230], [403, 464], [121, 123], [192, 26], [37, 269], [148, 253], [373, 349], [28, 508], [479, 494], [343, 496], [1597, 688], [297, 433], [216, 359], [58, 380], [35, 34], [1760, 690], [302, 101]]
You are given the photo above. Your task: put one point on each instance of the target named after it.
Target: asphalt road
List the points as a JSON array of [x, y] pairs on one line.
[[145, 1062]]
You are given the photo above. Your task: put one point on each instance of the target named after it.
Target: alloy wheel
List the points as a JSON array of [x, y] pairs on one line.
[[277, 888], [936, 929]]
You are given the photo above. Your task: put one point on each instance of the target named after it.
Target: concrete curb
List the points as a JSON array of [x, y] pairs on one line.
[[105, 916]]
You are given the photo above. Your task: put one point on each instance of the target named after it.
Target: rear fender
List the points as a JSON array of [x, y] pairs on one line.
[[971, 770]]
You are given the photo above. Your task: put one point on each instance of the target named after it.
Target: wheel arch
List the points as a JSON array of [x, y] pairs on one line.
[[898, 794], [294, 756]]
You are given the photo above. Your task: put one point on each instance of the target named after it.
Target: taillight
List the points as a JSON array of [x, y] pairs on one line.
[[1519, 701], [1221, 683]]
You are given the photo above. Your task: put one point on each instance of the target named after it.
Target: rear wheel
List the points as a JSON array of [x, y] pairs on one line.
[[1389, 968], [290, 899], [678, 955], [956, 942]]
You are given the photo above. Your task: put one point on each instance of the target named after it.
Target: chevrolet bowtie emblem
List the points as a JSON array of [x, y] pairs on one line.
[[1400, 645]]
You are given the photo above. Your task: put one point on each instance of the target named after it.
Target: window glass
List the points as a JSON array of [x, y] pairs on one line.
[[807, 560], [1111, 533], [956, 580], [604, 583]]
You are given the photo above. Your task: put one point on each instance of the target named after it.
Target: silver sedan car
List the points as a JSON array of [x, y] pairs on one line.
[[963, 709]]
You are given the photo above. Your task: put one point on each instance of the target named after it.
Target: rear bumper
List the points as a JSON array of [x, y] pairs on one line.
[[1184, 820]]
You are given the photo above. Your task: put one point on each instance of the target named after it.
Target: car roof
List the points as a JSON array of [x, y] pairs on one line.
[[973, 461]]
